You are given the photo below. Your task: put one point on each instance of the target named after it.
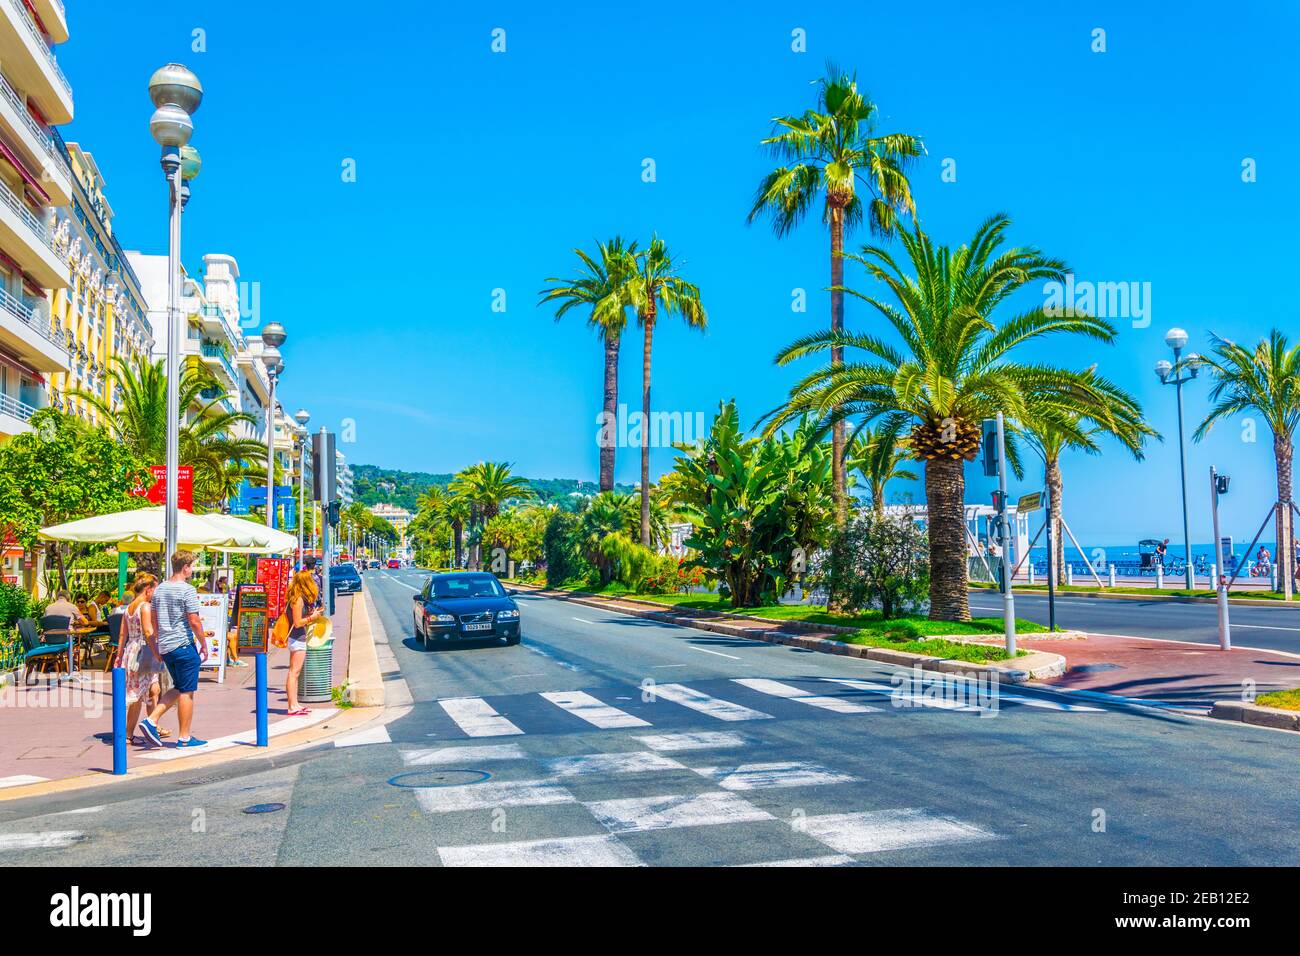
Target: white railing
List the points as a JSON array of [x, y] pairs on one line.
[[11, 406], [40, 132], [40, 42], [27, 315], [26, 215]]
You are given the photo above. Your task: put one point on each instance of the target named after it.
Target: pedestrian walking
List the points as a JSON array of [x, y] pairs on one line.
[[138, 654], [182, 644]]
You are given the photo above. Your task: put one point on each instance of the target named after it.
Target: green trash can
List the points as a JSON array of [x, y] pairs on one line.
[[315, 678]]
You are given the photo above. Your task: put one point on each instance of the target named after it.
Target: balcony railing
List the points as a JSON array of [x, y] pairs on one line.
[[26, 215], [40, 42], [27, 315], [42, 134], [11, 406], [213, 351]]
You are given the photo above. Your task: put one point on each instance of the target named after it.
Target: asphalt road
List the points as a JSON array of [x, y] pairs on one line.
[[604, 739], [1267, 628]]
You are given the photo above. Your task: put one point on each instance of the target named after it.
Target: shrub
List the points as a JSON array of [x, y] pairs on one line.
[[14, 604], [564, 560], [877, 560]]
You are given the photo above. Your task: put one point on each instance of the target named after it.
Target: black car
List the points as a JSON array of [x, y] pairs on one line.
[[465, 606], [345, 579]]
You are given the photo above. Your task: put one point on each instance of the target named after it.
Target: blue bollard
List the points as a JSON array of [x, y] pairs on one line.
[[261, 701], [119, 721]]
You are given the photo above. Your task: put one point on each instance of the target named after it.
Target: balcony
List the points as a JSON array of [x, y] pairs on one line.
[[54, 17], [31, 63], [215, 358], [28, 332], [37, 145], [24, 237]]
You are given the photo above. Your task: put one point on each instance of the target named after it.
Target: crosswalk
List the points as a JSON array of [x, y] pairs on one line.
[[730, 701]]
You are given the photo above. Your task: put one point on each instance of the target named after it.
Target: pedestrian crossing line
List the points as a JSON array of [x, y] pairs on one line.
[[371, 735], [789, 692], [834, 859], [898, 694], [709, 706], [49, 840], [636, 761], [999, 696], [450, 755], [567, 851], [20, 780], [476, 717], [593, 711], [484, 796], [636, 814], [708, 740], [878, 831], [766, 776]]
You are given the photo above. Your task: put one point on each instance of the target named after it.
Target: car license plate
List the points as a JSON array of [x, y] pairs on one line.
[[478, 627]]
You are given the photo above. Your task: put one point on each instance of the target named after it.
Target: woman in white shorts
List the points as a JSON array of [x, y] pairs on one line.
[[300, 599]]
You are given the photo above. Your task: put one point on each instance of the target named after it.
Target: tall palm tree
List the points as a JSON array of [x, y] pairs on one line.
[[657, 287], [955, 366], [1264, 380], [1125, 424], [877, 455], [830, 151], [486, 486], [207, 442], [455, 510], [601, 285]]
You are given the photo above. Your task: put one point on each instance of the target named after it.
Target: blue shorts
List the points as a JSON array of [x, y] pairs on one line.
[[183, 664]]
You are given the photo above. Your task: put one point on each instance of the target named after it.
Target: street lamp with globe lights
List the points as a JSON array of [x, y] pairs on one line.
[[1176, 373], [302, 417], [272, 338], [176, 94]]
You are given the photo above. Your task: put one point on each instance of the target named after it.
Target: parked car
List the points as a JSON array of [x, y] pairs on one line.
[[345, 579], [465, 606]]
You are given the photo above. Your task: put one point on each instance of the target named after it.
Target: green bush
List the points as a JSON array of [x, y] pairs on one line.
[[564, 560], [876, 561], [14, 604]]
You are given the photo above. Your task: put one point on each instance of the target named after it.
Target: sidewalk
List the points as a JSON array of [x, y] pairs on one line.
[[53, 731]]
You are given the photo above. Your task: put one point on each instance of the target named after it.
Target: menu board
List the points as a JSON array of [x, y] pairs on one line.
[[250, 618], [273, 574], [213, 614]]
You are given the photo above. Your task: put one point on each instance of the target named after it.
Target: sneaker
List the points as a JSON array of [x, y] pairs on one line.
[[192, 742], [150, 732]]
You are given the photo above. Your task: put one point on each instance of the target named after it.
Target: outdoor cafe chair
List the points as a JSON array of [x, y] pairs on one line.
[[114, 640], [58, 629], [36, 654]]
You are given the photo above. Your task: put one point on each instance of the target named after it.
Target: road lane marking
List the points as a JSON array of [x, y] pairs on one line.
[[705, 650], [777, 689], [476, 717], [834, 859], [372, 735], [709, 740], [49, 840], [449, 755], [493, 794], [878, 831], [637, 761], [934, 701], [767, 776], [593, 711], [637, 814], [710, 706], [570, 851]]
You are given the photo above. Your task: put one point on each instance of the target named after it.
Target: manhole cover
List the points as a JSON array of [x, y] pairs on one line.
[[1095, 668], [264, 808], [419, 779]]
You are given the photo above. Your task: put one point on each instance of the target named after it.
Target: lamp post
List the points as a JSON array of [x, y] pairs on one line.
[[272, 338], [176, 94], [302, 417], [1173, 374]]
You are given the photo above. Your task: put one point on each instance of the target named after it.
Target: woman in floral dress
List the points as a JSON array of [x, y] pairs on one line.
[[136, 652]]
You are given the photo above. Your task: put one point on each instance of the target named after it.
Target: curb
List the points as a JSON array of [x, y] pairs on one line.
[[1037, 665], [365, 681], [1255, 714]]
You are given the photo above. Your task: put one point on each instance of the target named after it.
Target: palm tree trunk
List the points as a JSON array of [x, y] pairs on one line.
[[1282, 452], [645, 416], [608, 440], [458, 529], [837, 358], [1052, 476], [945, 493], [878, 497]]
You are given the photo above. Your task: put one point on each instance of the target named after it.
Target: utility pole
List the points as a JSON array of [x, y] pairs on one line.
[[1219, 486], [1004, 529]]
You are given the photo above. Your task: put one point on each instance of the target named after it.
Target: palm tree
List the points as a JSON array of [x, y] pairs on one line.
[[485, 487], [657, 287], [877, 455], [955, 367], [455, 510], [1124, 423], [830, 151], [601, 285], [207, 442], [1264, 380]]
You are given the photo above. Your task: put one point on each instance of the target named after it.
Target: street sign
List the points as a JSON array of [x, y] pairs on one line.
[[1029, 503]]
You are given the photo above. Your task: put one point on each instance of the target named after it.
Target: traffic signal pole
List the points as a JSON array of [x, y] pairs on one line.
[[1221, 585], [1004, 534]]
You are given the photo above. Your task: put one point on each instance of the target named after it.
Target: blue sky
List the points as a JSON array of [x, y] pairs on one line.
[[479, 171]]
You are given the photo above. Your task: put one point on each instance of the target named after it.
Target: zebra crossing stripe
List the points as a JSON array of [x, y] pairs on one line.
[[878, 831], [593, 711], [484, 796], [777, 689], [567, 851], [49, 840], [835, 859], [897, 693], [710, 706], [705, 740], [449, 755], [476, 717], [636, 761], [764, 776], [662, 813]]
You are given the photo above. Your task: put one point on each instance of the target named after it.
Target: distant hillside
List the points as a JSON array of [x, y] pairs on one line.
[[372, 485]]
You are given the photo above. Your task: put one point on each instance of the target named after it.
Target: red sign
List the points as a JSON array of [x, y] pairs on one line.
[[273, 574], [157, 492]]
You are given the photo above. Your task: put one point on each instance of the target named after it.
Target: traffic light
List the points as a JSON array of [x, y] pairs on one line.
[[1221, 484], [333, 513], [990, 446]]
